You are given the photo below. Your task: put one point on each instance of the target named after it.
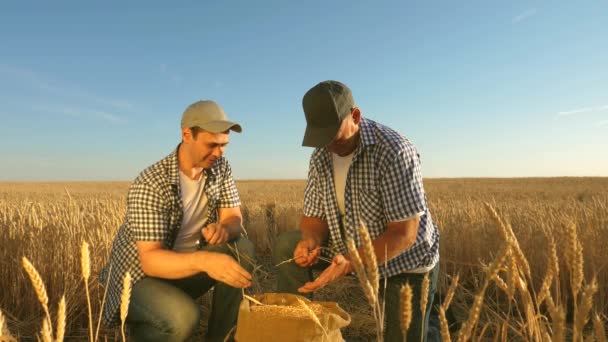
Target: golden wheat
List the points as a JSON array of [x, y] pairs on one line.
[[124, 302], [598, 329], [36, 216], [405, 308], [61, 317]]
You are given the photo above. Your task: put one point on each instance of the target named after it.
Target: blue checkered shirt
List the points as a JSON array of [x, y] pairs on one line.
[[154, 213], [383, 185]]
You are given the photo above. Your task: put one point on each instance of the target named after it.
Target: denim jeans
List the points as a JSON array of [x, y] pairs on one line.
[[290, 277], [166, 309]]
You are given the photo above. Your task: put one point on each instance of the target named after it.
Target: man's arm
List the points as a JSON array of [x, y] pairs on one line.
[[162, 263], [398, 237]]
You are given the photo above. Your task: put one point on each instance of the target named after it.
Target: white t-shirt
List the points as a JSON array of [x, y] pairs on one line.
[[195, 212], [341, 165]]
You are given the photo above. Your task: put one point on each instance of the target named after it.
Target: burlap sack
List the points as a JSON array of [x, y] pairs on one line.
[[288, 317]]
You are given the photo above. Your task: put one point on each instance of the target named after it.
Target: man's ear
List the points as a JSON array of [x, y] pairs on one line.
[[186, 134], [356, 113]]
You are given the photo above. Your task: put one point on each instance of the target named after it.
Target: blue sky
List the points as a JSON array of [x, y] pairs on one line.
[[482, 88]]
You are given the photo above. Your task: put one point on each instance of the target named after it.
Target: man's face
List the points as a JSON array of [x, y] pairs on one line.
[[346, 140], [206, 147]]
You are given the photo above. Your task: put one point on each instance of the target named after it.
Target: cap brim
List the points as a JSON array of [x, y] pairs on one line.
[[319, 136], [221, 126]]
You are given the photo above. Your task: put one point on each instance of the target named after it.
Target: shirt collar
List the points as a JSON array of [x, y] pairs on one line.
[[366, 129]]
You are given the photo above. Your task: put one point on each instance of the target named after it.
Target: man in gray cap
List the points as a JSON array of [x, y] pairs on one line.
[[361, 174], [182, 224]]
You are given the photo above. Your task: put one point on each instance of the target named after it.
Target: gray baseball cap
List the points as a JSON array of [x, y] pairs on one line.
[[325, 106], [209, 116]]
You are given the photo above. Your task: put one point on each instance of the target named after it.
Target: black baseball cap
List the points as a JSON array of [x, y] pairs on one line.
[[325, 106]]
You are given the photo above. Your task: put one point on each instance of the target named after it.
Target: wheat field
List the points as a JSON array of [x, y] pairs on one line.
[[529, 255]]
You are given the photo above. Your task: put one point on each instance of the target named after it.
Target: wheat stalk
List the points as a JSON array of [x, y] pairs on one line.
[[405, 305], [103, 302], [4, 332]]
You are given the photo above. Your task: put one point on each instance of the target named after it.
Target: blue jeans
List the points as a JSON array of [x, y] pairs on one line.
[[166, 310], [290, 277]]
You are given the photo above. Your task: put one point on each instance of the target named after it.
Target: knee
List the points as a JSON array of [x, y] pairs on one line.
[[285, 245], [183, 323]]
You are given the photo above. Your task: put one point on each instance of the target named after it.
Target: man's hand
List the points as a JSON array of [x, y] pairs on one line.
[[339, 267], [307, 253], [224, 268], [215, 234]]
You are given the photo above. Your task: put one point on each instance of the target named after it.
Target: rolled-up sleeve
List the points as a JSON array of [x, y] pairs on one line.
[[147, 215], [401, 188]]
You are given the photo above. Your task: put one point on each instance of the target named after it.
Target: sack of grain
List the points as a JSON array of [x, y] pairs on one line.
[[289, 317]]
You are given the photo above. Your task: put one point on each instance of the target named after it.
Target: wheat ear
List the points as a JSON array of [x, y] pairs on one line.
[[445, 329], [60, 332], [86, 272], [355, 259], [39, 288], [124, 302], [369, 259], [424, 299], [451, 291], [582, 314], [405, 305], [46, 333]]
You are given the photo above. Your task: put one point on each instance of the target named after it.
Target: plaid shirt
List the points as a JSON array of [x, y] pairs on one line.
[[384, 184], [154, 213]]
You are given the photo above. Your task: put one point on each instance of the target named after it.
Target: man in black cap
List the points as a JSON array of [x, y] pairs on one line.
[[361, 173], [182, 215]]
